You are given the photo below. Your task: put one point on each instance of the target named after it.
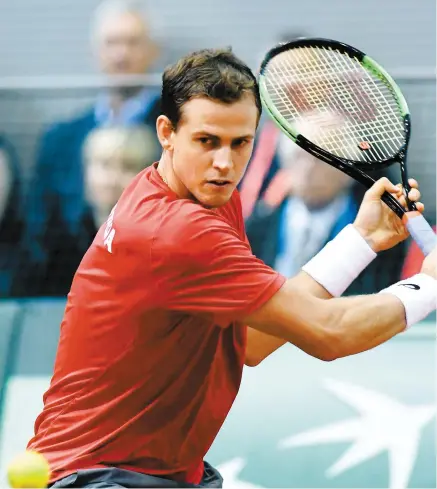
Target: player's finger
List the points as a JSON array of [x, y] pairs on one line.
[[379, 187], [399, 190], [420, 207], [413, 183], [414, 195]]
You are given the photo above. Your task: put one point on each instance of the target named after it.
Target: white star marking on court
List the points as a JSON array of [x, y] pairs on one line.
[[230, 471], [384, 425]]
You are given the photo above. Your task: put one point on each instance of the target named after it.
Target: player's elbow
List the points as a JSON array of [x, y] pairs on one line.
[[327, 342], [252, 363], [327, 347], [328, 355], [252, 360], [334, 342]]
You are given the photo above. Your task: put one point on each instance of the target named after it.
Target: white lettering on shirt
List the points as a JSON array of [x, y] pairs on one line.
[[109, 234]]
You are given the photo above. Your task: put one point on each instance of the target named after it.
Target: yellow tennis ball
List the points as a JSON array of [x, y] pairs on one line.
[[29, 469]]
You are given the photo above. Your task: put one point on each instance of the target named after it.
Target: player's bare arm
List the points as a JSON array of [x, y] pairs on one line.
[[335, 328], [259, 344], [381, 229]]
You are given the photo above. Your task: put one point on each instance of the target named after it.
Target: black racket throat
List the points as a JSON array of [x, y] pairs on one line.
[[356, 172]]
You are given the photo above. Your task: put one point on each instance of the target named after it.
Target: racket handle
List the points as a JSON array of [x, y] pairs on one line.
[[420, 231]]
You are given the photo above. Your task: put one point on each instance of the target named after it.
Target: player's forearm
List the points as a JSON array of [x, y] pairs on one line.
[[335, 328], [330, 329], [357, 324]]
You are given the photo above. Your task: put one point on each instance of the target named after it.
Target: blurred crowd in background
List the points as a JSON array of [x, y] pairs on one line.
[[56, 193]]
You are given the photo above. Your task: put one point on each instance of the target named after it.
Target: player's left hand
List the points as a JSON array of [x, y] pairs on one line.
[[376, 222]]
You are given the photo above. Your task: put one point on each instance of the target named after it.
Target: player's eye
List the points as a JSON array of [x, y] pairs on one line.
[[206, 141], [239, 143]]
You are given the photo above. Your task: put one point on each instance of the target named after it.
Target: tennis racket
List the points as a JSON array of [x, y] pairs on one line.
[[342, 107]]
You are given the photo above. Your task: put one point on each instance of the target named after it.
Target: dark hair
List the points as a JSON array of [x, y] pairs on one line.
[[216, 74]]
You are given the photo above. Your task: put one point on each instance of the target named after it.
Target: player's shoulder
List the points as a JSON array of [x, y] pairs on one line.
[[191, 231], [148, 216], [148, 208], [138, 211], [185, 219]]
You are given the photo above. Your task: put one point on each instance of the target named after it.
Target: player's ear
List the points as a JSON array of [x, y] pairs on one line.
[[164, 130]]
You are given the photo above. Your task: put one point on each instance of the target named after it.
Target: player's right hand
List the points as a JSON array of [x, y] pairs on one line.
[[376, 222], [429, 265]]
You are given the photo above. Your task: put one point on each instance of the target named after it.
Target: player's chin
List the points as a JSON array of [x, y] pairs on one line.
[[214, 199]]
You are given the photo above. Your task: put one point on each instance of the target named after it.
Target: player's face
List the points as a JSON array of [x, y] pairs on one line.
[[124, 46], [212, 146]]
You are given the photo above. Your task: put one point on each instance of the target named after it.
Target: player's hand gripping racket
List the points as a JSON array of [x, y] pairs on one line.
[[305, 82]]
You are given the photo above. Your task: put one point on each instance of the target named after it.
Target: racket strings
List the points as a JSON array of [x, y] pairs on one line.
[[389, 134], [335, 64], [313, 101], [333, 138], [323, 81], [345, 105]]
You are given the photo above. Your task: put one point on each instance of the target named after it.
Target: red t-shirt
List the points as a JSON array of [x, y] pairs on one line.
[[151, 349]]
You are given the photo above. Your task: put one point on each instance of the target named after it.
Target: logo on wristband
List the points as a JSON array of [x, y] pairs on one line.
[[411, 286]]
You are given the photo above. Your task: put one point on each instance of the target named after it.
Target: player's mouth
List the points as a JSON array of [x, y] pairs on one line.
[[219, 183]]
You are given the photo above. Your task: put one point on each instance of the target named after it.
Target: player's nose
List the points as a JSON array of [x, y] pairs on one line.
[[223, 159]]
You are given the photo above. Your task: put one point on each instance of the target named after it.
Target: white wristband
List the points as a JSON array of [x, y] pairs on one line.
[[340, 262], [418, 294]]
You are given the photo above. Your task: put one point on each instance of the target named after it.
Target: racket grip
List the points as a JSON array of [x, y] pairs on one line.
[[420, 231]]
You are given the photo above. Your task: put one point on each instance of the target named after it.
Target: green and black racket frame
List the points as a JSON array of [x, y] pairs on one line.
[[341, 106]]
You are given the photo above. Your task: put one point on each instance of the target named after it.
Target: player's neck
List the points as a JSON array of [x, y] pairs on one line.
[[165, 170]]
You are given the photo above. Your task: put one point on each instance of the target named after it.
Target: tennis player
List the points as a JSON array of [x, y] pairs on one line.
[[169, 303]]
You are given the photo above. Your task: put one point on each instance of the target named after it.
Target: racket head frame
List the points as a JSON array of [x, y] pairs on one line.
[[355, 169]]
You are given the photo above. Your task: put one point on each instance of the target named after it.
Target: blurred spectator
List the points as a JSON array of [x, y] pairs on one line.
[[112, 157], [10, 215], [123, 45], [305, 205]]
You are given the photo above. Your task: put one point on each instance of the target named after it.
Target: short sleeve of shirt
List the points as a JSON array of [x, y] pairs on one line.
[[201, 266]]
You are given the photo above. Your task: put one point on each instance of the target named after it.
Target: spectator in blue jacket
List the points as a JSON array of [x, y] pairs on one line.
[[57, 201]]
